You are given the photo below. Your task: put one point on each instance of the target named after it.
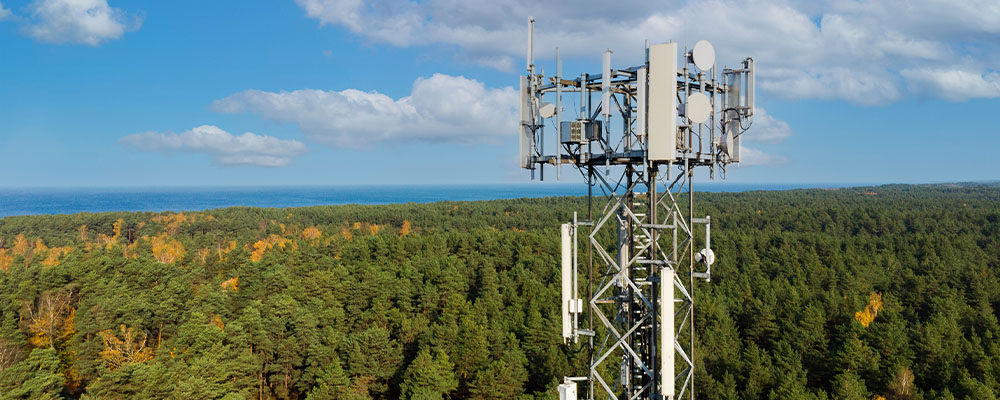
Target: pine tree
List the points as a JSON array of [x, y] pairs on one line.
[[429, 378], [37, 377]]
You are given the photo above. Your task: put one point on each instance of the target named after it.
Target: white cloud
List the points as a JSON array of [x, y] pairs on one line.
[[88, 22], [439, 108], [752, 157], [954, 83], [225, 148], [850, 50], [766, 129], [4, 13]]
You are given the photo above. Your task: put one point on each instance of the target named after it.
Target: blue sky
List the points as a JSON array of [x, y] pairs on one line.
[[139, 93]]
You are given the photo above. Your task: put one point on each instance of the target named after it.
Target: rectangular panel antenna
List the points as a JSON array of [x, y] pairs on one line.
[[750, 86], [735, 103], [640, 122], [606, 77], [662, 116], [525, 136], [567, 391], [567, 282]]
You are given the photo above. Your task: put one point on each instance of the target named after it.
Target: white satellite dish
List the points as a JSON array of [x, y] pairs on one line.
[[547, 110], [703, 55], [698, 108], [727, 144], [706, 256]]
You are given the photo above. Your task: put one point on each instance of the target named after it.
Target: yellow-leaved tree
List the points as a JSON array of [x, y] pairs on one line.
[[866, 316], [312, 233], [21, 246], [54, 254], [231, 284], [50, 318], [167, 250], [262, 246], [405, 230], [129, 349]]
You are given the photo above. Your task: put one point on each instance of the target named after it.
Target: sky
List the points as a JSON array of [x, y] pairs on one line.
[[99, 93]]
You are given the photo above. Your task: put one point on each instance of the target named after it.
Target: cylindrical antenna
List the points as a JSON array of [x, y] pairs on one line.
[[606, 77], [750, 86], [531, 44]]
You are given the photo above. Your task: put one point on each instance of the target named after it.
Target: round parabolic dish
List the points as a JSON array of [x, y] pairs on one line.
[[698, 108], [703, 55]]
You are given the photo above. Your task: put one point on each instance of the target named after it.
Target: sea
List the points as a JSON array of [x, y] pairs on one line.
[[41, 201]]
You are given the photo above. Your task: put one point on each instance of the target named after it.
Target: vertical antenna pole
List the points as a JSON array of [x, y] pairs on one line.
[[531, 45], [606, 108], [558, 115], [690, 172]]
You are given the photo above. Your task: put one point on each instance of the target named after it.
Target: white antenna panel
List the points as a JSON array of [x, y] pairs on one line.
[[567, 282], [547, 110], [703, 55], [750, 86], [525, 136], [640, 121], [606, 85], [698, 108], [662, 116], [567, 391]]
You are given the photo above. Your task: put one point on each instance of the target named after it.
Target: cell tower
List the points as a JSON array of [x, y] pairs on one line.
[[639, 146]]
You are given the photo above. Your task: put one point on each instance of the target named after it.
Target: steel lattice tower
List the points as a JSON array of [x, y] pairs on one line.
[[638, 151]]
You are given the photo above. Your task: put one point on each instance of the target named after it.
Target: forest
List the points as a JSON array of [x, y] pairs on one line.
[[887, 292]]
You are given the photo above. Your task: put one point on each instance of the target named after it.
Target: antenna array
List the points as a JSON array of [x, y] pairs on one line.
[[637, 149]]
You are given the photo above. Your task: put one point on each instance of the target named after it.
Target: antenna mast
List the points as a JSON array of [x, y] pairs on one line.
[[658, 122]]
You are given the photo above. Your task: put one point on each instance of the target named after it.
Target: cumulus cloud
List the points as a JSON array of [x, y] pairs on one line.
[[88, 22], [767, 129], [440, 108], [752, 157], [224, 147], [954, 83], [846, 50]]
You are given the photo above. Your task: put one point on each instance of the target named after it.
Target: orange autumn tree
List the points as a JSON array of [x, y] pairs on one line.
[[21, 246], [129, 349], [217, 321], [231, 284], [866, 316], [173, 222], [405, 230], [117, 227], [50, 318], [262, 246], [54, 254], [167, 250], [312, 233]]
